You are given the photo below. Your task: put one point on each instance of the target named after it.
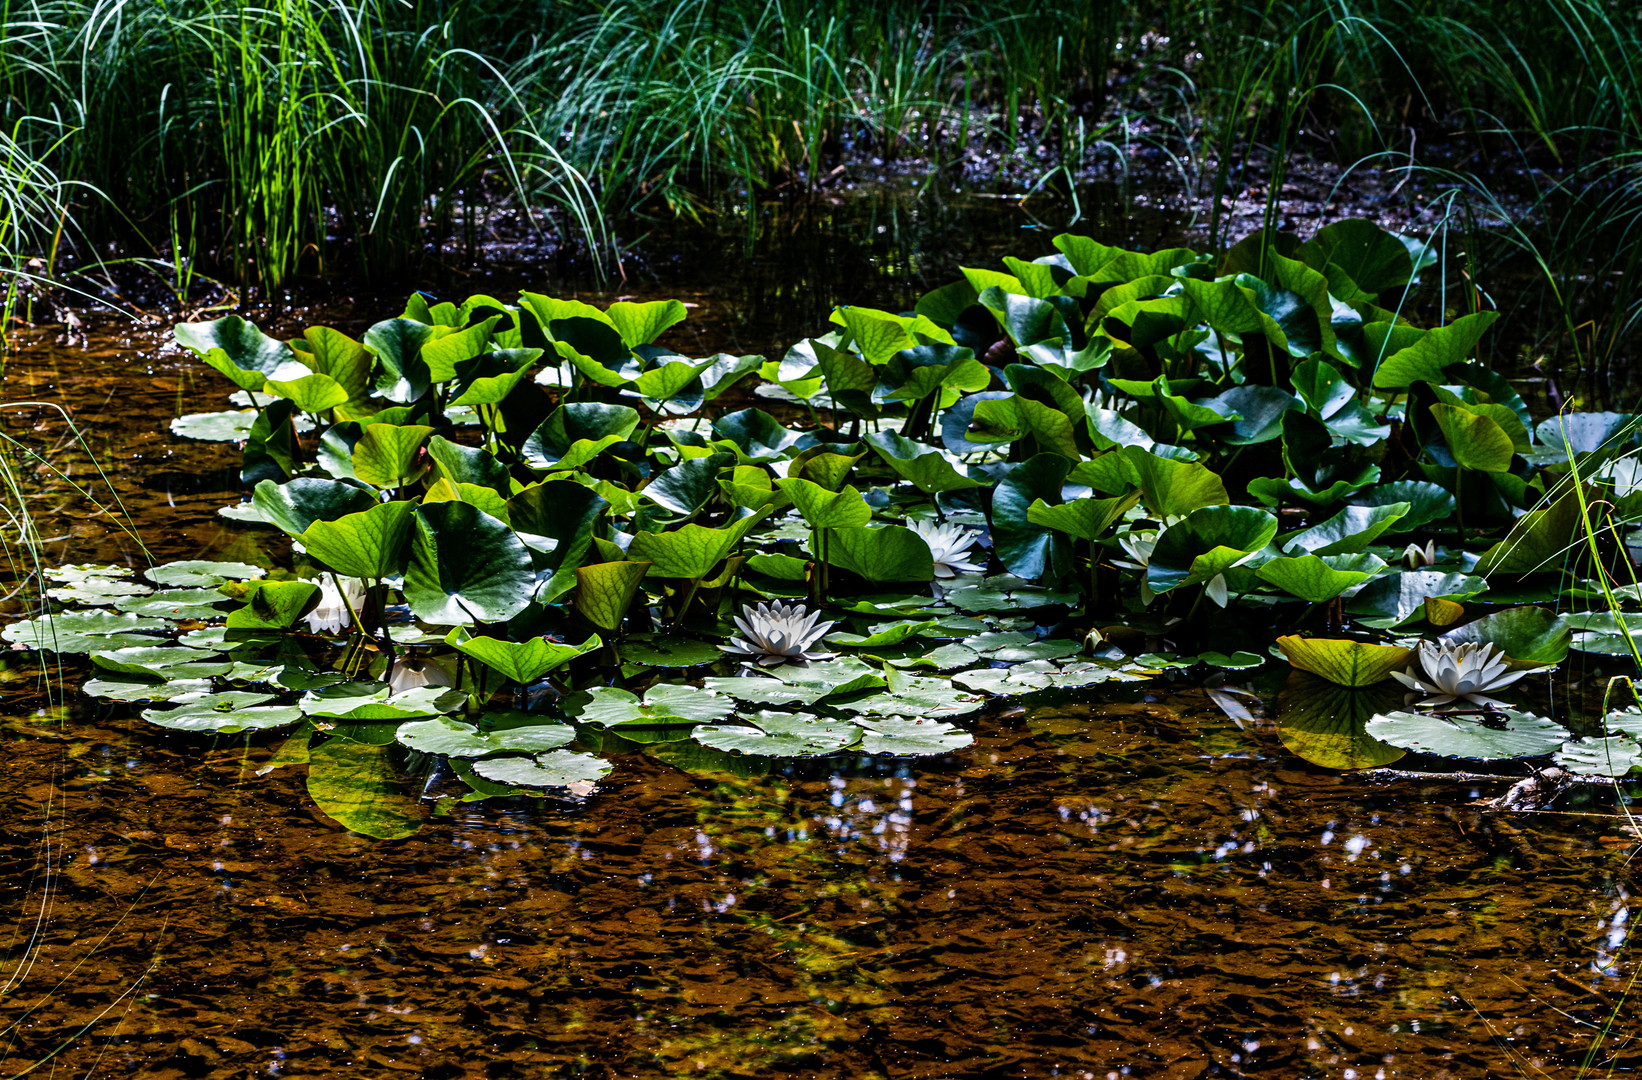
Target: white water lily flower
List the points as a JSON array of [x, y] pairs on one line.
[[332, 613], [1415, 556], [1139, 546], [949, 546], [776, 632], [1459, 673], [409, 674]]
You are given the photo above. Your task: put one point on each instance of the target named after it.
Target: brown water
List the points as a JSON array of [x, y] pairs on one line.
[[1104, 885]]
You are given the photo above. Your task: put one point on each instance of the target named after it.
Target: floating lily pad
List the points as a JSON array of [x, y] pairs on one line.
[[609, 706], [120, 689], [757, 690], [82, 631], [175, 604], [1014, 647], [1616, 755], [454, 738], [1327, 724], [225, 712], [98, 591], [201, 573], [356, 784], [162, 662], [911, 738], [671, 651], [780, 735], [561, 768], [229, 426], [914, 695], [1523, 735], [377, 701]]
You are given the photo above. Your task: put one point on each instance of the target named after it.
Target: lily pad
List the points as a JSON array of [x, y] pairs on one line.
[[560, 768], [1345, 663], [1616, 755], [609, 706], [453, 738], [1327, 724], [201, 573], [97, 590], [82, 631], [225, 712], [1523, 735], [377, 701], [902, 737], [176, 604], [758, 690], [780, 735], [672, 652], [356, 784]]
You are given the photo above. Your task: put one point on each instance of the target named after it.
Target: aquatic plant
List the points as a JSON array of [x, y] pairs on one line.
[[1464, 672], [949, 547], [775, 633]]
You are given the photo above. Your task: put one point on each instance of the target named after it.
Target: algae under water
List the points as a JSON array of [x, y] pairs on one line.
[[1120, 882]]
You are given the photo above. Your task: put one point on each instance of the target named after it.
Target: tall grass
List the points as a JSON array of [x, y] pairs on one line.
[[255, 139]]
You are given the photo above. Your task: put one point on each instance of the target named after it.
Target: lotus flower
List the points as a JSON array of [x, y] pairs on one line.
[[332, 613], [1459, 673], [409, 674], [1415, 556], [948, 545], [777, 632]]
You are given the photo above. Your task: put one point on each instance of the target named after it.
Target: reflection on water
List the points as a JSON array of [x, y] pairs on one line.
[[1103, 886], [1133, 888]]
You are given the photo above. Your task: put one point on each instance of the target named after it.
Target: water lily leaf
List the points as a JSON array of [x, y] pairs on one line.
[[758, 690], [1327, 724], [1345, 663], [98, 590], [331, 352], [82, 631], [560, 768], [664, 703], [1208, 542], [466, 566], [780, 735], [886, 553], [901, 737], [642, 323], [1397, 595], [1427, 502], [1005, 592], [453, 738], [386, 455], [671, 652], [756, 434], [273, 605], [1026, 548], [824, 509], [1585, 433], [1015, 647], [575, 424], [521, 661], [235, 348], [913, 695], [1034, 675], [1432, 351], [845, 675], [355, 785], [377, 701], [309, 390], [175, 604], [1612, 756], [690, 551], [604, 591], [1317, 580], [161, 663], [1237, 661], [1086, 519], [1350, 531], [487, 379], [921, 465], [226, 712], [1539, 540], [296, 504], [1534, 635], [1523, 735], [371, 545], [127, 689], [887, 634], [1173, 488], [231, 426], [1475, 440], [402, 374], [201, 573]]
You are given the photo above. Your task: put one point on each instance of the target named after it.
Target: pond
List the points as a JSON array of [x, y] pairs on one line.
[[1138, 881]]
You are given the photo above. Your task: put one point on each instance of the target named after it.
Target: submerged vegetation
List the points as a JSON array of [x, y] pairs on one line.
[[530, 534]]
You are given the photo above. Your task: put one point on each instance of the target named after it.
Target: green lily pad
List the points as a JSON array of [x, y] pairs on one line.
[[355, 784], [176, 604], [201, 573], [560, 768], [914, 695], [82, 631], [1524, 735], [127, 689], [1345, 663], [453, 738], [902, 737], [882, 635], [1014, 647], [1327, 724], [466, 566], [1532, 634], [521, 661], [96, 589], [671, 652], [225, 712], [609, 706], [1613, 756], [377, 701], [162, 662], [780, 735], [762, 690]]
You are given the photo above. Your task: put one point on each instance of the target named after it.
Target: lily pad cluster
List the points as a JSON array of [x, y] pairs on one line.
[[538, 527]]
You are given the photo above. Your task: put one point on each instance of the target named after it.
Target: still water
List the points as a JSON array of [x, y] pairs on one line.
[[1107, 884]]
